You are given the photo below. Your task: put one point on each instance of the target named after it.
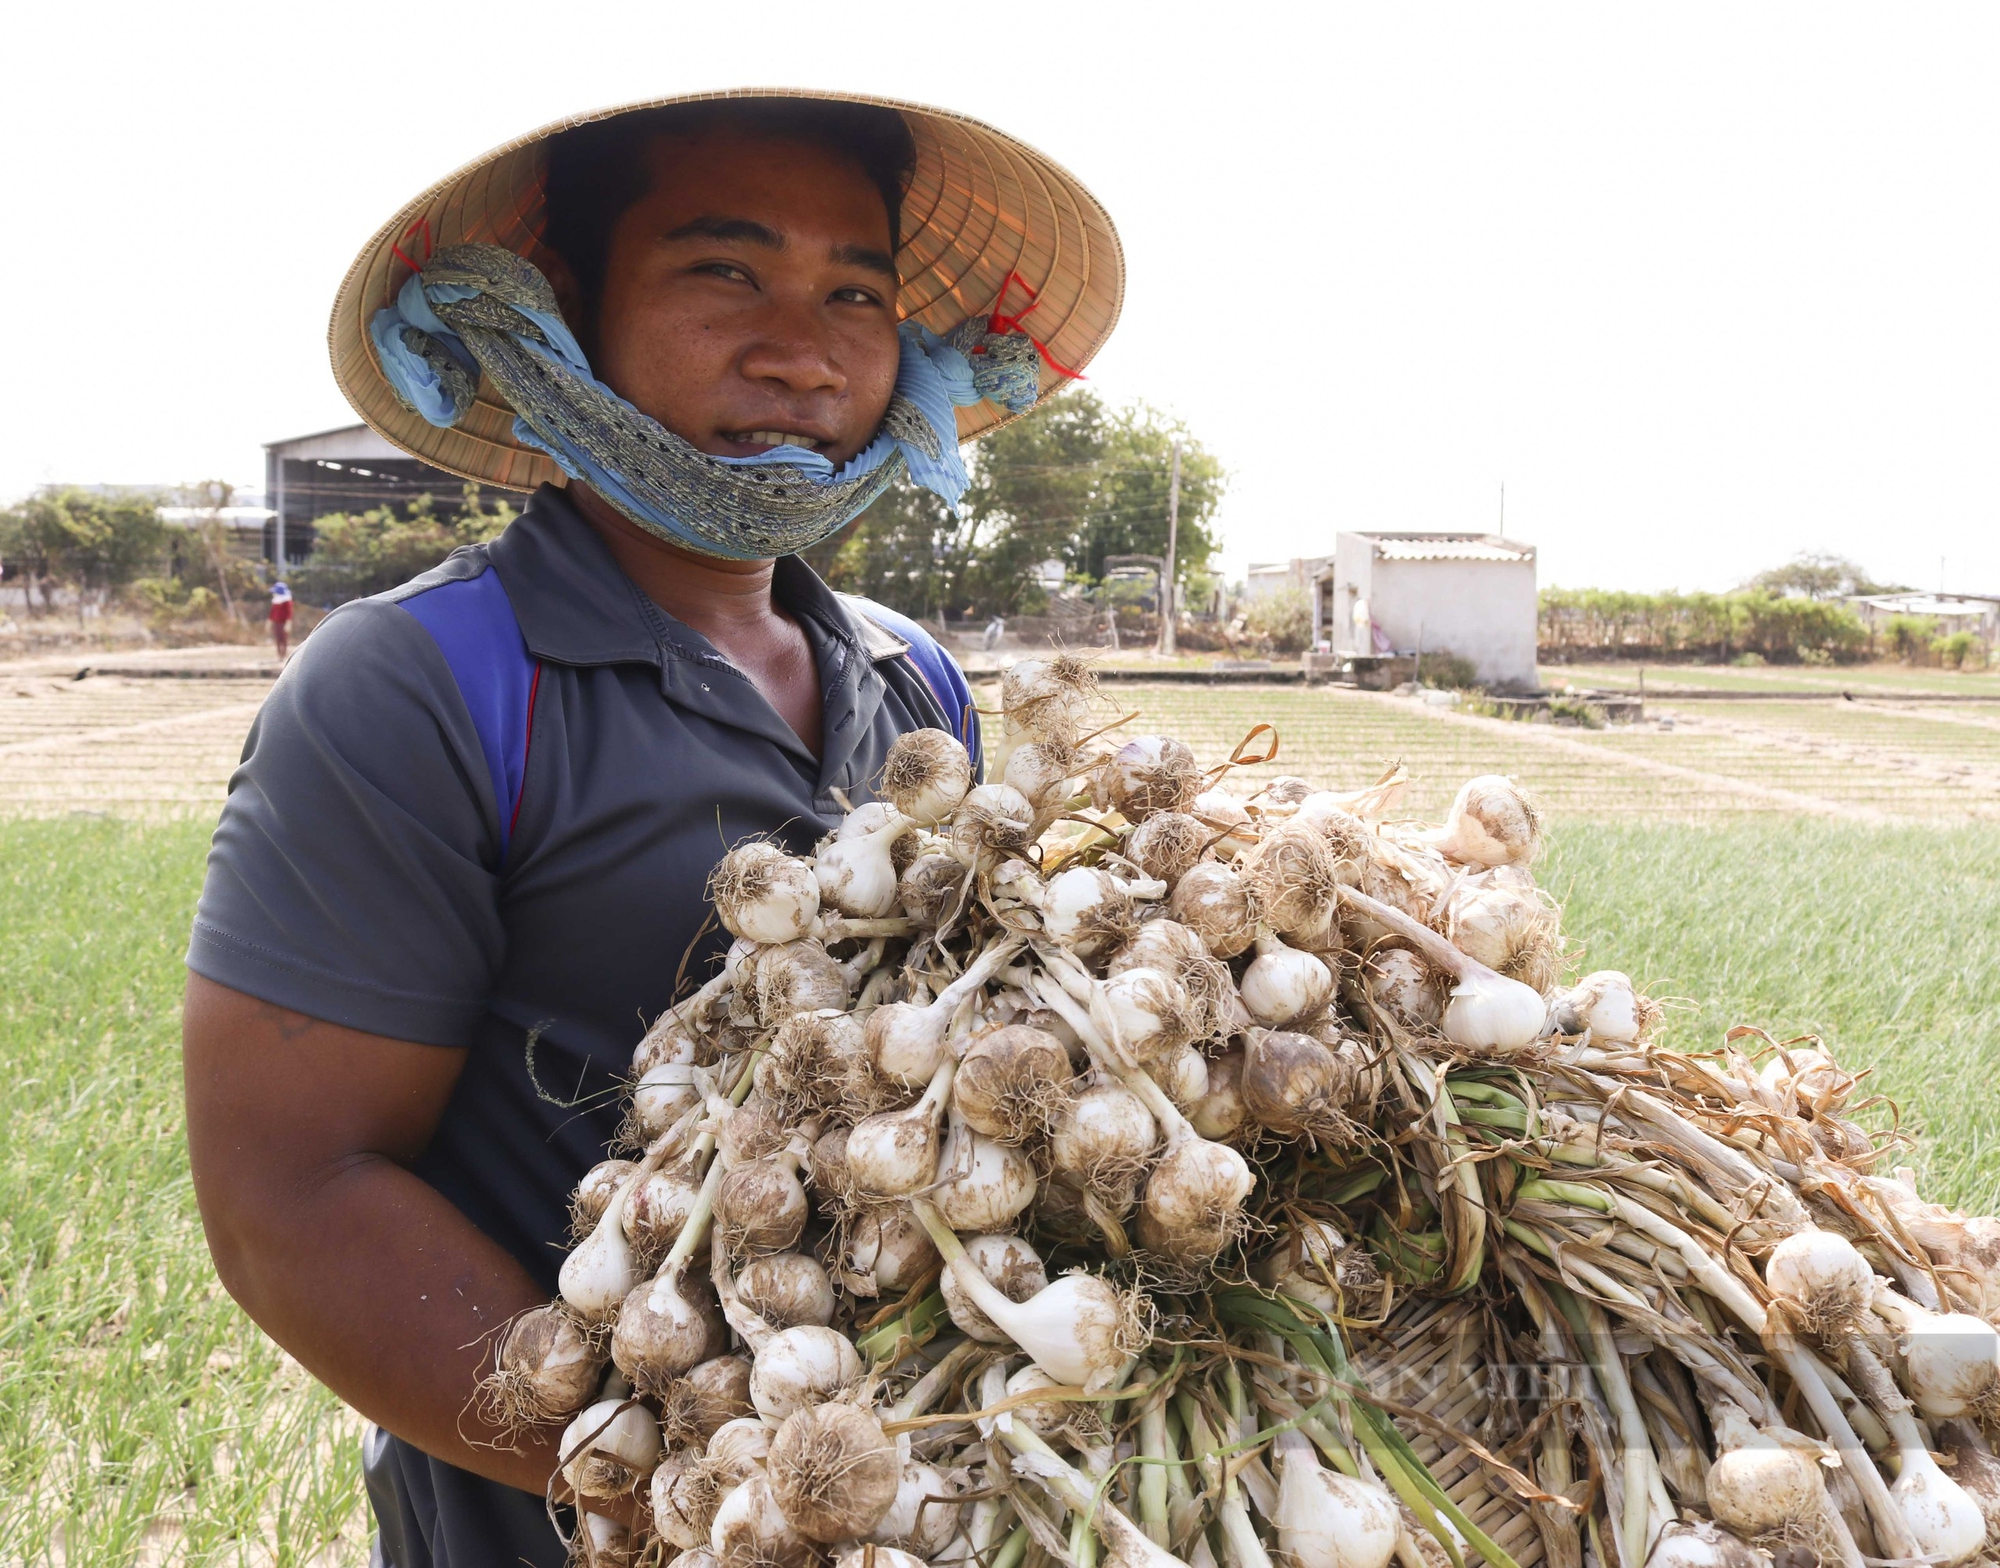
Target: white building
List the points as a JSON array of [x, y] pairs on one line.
[[1468, 594], [1975, 613]]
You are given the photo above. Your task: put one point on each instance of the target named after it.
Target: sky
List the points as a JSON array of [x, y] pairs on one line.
[[1700, 285]]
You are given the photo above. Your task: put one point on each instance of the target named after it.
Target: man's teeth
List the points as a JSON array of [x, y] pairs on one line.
[[780, 438]]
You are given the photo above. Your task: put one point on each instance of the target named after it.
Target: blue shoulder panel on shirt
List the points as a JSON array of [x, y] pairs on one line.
[[472, 622], [940, 672]]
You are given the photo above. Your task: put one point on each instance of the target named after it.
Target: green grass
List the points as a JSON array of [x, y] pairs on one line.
[[142, 1417], [1885, 942], [1883, 679]]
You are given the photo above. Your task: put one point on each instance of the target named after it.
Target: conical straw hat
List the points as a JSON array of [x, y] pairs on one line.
[[981, 208]]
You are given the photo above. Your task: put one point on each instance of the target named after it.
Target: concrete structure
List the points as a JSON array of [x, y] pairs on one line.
[[351, 469], [1953, 612], [1265, 578], [1468, 594]]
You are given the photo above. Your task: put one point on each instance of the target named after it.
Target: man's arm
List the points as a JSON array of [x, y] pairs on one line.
[[299, 1133]]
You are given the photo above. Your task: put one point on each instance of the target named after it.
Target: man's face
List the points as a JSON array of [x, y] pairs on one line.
[[750, 298]]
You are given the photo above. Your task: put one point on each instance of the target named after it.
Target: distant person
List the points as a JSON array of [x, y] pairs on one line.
[[281, 619], [995, 630]]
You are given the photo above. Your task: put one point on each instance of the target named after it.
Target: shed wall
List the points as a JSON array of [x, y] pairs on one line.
[[1480, 610]]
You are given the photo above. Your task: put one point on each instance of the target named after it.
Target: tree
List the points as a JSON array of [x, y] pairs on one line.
[[356, 554], [1072, 482], [1817, 575], [81, 539]]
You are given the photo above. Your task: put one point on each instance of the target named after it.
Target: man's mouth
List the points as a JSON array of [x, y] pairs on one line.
[[771, 438]]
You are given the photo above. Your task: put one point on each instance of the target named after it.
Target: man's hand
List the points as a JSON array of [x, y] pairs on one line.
[[299, 1133]]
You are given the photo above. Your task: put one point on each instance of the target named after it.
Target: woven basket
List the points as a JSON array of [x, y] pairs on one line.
[[1434, 1356], [980, 206]]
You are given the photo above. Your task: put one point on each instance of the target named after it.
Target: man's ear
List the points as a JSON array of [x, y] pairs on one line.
[[569, 296]]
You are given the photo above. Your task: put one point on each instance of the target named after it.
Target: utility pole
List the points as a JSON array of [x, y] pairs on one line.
[[1503, 509], [1169, 592]]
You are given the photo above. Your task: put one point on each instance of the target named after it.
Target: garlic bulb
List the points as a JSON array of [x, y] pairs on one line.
[[801, 1366], [1105, 1137], [906, 1042], [1040, 770], [1952, 1358], [1757, 1486], [923, 1518], [887, 1250], [858, 876], [608, 1447], [1194, 1195], [599, 1186], [1149, 1013], [1049, 698], [819, 1062], [1401, 985], [1606, 1004], [981, 1183], [543, 1370], [661, 1333], [994, 819], [1824, 1281], [600, 1272], [1220, 1112], [1492, 822], [791, 977], [1319, 1266], [1075, 1330], [1294, 878], [716, 1392], [1014, 1268], [786, 1289], [1230, 828], [762, 894], [1011, 1081], [1085, 909], [1283, 985], [1296, 1087], [930, 887], [833, 1472], [760, 1206], [1498, 918], [1167, 845], [925, 775], [1328, 1520], [1702, 1545], [1812, 1075], [894, 1153], [1149, 774], [751, 1531], [1212, 901], [1182, 1075]]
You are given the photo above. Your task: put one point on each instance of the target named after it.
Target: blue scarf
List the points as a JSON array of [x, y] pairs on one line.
[[480, 310]]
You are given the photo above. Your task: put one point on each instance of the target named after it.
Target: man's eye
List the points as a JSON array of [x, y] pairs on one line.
[[856, 296], [724, 269]]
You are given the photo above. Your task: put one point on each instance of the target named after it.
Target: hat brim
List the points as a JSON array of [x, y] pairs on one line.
[[980, 205]]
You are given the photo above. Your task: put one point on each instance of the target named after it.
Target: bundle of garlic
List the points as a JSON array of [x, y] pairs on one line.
[[1089, 1161]]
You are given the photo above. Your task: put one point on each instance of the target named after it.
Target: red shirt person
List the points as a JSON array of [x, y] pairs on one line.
[[281, 618]]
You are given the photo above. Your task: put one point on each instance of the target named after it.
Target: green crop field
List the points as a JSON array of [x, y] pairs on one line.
[[144, 1421]]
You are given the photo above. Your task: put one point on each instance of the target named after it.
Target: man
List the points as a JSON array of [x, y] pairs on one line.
[[463, 861]]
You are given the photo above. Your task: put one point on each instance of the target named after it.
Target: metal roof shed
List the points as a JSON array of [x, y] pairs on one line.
[[351, 469], [1468, 594]]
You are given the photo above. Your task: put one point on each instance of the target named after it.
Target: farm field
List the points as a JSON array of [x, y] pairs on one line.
[[1882, 679], [143, 1420]]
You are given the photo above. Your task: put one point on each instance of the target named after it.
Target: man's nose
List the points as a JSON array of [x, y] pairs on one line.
[[794, 346]]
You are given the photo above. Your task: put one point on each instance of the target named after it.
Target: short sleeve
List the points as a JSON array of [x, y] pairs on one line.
[[353, 876]]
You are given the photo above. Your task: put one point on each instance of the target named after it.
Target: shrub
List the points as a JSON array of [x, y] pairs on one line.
[[1957, 650], [1909, 636], [358, 554], [1282, 619], [1446, 669]]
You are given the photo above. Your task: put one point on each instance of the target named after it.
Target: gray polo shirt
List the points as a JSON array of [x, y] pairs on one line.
[[369, 869]]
